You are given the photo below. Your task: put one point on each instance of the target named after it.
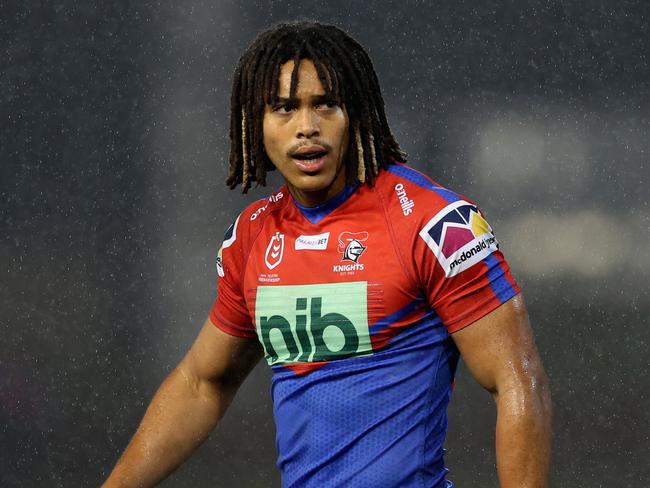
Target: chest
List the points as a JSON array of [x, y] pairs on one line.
[[314, 291]]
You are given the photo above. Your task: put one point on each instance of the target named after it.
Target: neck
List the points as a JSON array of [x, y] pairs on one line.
[[309, 198]]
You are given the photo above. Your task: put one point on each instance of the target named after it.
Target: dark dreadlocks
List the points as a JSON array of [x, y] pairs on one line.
[[347, 75]]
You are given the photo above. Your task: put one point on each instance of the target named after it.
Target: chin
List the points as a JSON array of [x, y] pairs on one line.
[[312, 187]]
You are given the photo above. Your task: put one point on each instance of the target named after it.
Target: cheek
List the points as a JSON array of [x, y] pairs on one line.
[[344, 137], [269, 139], [344, 131]]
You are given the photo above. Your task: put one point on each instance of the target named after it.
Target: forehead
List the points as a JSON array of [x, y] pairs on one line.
[[307, 81]]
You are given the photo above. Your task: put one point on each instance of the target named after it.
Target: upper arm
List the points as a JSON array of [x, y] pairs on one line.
[[499, 349], [220, 358]]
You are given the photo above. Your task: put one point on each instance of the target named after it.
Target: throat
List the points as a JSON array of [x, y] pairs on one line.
[[315, 213]]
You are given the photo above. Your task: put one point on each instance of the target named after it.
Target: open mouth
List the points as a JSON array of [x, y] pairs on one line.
[[310, 156]]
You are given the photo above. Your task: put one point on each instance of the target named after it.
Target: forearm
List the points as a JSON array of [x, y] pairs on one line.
[[523, 437], [180, 417]]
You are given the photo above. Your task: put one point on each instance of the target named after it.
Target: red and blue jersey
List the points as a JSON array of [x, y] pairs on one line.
[[354, 302]]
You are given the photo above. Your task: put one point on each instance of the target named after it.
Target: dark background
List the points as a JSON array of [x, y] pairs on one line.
[[113, 147]]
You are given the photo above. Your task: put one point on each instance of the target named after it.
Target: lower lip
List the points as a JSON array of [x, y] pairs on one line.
[[312, 166]]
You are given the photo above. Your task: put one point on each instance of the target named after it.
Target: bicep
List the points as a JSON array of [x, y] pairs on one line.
[[218, 357], [499, 348]]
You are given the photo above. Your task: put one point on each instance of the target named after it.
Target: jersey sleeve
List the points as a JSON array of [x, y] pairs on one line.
[[462, 271], [229, 311]]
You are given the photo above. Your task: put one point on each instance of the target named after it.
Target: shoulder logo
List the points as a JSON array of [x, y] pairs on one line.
[[316, 242], [274, 251], [257, 212], [459, 237], [272, 199], [406, 204]]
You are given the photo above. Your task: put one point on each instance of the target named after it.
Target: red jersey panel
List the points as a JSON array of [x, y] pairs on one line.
[[406, 238]]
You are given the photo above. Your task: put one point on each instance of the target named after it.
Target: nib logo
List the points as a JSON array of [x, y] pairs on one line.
[[274, 251], [313, 323], [311, 327]]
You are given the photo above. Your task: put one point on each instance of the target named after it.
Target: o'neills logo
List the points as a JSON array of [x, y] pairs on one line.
[[273, 198], [406, 204]]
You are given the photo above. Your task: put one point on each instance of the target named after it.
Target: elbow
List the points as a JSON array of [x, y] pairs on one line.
[[542, 391], [538, 388], [527, 395]]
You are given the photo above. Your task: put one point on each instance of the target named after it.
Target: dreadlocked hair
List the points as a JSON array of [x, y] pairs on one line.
[[347, 75]]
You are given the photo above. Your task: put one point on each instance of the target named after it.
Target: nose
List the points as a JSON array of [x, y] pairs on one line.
[[308, 123]]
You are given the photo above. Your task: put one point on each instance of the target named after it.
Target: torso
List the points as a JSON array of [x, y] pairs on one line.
[[362, 363]]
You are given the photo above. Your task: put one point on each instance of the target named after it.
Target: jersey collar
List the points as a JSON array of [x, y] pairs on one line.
[[319, 212]]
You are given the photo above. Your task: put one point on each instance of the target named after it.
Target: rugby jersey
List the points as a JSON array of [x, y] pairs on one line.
[[354, 302]]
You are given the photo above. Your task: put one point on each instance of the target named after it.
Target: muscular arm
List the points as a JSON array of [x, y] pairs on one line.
[[500, 352], [186, 407]]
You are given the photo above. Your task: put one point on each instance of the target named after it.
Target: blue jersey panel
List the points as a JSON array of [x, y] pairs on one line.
[[374, 421]]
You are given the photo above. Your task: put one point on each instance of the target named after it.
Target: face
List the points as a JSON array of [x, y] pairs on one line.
[[306, 137]]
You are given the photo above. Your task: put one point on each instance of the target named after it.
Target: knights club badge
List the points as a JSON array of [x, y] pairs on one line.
[[350, 245], [274, 251]]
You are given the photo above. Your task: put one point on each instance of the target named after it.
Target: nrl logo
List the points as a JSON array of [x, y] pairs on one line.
[[350, 245], [274, 251]]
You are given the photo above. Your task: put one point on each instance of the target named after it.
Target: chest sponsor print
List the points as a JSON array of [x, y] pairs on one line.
[[309, 323], [459, 237], [315, 242]]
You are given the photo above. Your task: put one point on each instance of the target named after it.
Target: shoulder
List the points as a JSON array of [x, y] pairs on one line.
[[255, 213], [241, 234], [412, 194], [447, 223], [252, 218]]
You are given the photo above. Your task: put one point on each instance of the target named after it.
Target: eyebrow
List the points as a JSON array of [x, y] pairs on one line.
[[316, 98]]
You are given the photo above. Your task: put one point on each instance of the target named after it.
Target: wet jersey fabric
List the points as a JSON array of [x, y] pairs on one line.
[[354, 302]]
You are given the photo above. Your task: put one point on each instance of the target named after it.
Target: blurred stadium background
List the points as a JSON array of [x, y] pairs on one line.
[[113, 152]]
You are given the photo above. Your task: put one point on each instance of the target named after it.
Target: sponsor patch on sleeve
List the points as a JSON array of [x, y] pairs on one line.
[[459, 237], [228, 239], [231, 234], [220, 263]]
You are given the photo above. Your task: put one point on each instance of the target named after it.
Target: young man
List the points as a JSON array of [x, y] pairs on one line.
[[360, 281]]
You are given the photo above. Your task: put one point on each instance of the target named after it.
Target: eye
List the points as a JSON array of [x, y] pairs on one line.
[[283, 108], [327, 104]]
